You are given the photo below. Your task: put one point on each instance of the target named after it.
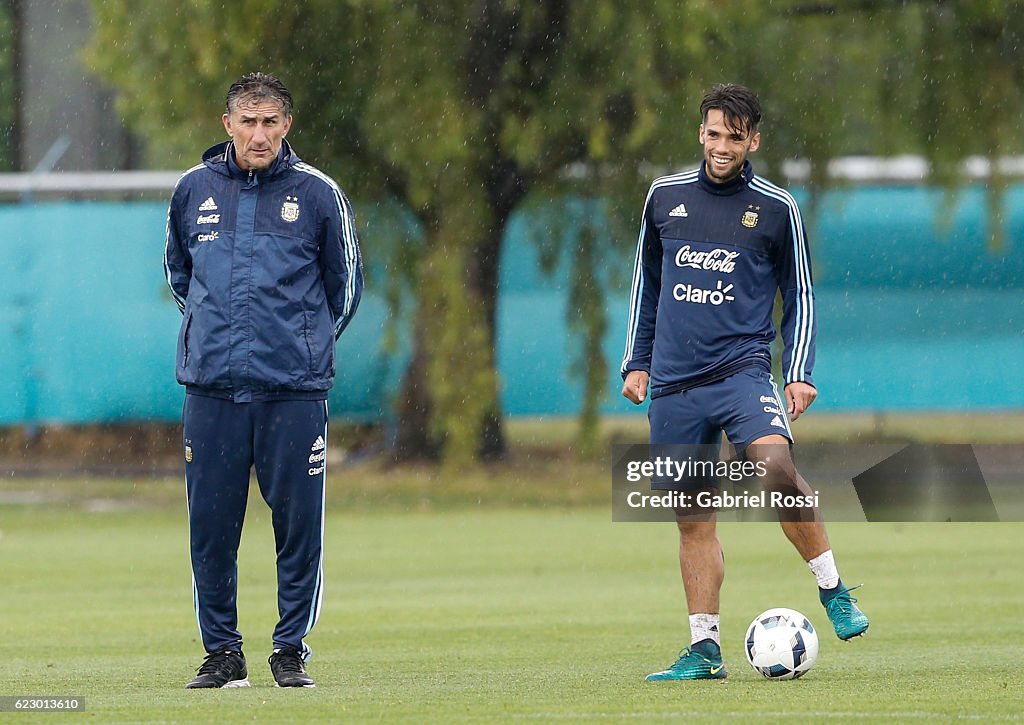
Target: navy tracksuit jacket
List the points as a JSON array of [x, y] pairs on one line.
[[266, 269], [709, 261]]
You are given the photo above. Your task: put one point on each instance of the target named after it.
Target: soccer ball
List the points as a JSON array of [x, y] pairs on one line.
[[781, 644]]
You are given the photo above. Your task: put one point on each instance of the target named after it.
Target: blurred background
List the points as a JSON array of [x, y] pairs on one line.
[[497, 155]]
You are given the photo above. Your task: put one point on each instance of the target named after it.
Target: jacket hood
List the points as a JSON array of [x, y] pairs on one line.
[[221, 158]]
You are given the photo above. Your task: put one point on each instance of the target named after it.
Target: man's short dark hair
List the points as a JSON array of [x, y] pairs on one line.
[[257, 87], [738, 104]]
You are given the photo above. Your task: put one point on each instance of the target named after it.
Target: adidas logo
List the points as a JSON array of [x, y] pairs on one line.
[[208, 205], [777, 421], [318, 444], [679, 211]]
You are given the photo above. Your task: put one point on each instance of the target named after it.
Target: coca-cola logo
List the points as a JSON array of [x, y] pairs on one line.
[[715, 260]]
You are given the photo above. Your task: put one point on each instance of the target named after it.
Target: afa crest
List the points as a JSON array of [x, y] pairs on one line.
[[290, 209], [188, 454], [749, 218]]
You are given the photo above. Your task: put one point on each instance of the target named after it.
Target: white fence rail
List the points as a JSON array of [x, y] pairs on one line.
[[856, 169], [87, 183]]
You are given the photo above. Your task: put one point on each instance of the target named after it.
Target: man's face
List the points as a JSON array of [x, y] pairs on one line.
[[725, 148], [258, 128]]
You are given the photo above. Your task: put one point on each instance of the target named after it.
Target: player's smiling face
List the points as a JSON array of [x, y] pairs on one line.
[[258, 129], [725, 148]]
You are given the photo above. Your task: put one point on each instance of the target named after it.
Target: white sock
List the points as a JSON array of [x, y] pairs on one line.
[[704, 626], [825, 571]]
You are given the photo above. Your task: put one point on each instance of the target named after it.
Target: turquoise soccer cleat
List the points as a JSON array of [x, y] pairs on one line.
[[847, 619], [702, 661]]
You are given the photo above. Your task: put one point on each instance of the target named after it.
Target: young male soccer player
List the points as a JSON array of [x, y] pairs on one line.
[[715, 245]]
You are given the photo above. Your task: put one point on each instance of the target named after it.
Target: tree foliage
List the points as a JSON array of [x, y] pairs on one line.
[[461, 110], [8, 88]]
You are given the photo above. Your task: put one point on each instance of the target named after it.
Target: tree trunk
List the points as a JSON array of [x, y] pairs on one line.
[[449, 406], [413, 440], [484, 286], [16, 141]]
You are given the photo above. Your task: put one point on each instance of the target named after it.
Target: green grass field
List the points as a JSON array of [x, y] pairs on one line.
[[532, 608]]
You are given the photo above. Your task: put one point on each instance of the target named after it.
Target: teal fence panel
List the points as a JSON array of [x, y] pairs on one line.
[[89, 328], [915, 312]]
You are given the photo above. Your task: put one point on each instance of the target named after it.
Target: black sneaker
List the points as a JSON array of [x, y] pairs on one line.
[[288, 668], [223, 668]]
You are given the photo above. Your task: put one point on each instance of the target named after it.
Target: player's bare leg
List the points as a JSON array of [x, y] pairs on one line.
[[805, 529], [703, 570], [700, 561]]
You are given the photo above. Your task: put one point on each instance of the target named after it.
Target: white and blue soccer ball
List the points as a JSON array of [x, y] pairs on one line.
[[781, 644]]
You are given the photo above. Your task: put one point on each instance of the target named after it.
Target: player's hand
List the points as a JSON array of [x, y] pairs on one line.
[[799, 397], [634, 389]]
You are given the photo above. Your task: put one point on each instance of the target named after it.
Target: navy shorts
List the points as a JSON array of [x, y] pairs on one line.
[[746, 405]]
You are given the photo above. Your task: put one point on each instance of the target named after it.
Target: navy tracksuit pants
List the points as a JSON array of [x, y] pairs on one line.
[[286, 442]]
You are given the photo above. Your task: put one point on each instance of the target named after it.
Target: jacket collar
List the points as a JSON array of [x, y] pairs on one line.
[[221, 158], [732, 186]]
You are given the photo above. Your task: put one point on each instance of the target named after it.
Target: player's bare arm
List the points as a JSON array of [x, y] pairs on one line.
[[634, 389], [799, 397]]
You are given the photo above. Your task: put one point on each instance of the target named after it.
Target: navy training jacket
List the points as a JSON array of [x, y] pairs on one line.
[[266, 269], [709, 261]]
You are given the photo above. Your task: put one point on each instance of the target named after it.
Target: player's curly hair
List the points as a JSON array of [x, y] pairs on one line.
[[259, 87], [737, 103]]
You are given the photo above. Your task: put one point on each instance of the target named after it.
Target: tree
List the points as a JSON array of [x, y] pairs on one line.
[[10, 91], [459, 111]]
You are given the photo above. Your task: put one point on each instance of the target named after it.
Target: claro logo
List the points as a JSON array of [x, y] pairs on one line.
[[696, 295]]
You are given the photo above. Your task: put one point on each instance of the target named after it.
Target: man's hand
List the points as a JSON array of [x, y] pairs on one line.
[[799, 397], [634, 389]]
